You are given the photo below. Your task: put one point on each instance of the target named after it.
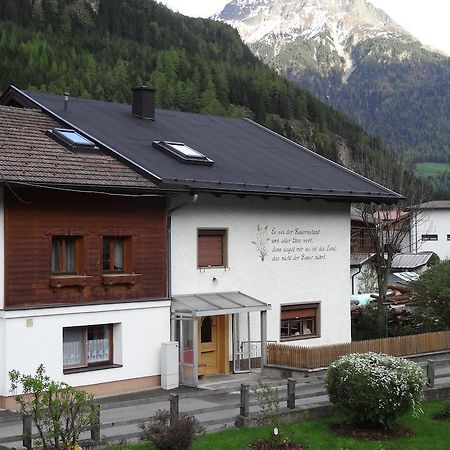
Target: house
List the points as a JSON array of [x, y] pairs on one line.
[[83, 243], [430, 228], [254, 222]]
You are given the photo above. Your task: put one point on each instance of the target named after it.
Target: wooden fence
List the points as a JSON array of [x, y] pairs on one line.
[[323, 356]]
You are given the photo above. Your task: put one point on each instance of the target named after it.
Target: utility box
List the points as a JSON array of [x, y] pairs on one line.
[[169, 365]]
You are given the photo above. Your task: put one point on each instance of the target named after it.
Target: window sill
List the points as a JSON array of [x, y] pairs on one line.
[[91, 368], [204, 268], [60, 281], [300, 338], [112, 279]]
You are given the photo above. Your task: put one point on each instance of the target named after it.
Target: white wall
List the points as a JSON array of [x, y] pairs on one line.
[[36, 337], [432, 221], [2, 250], [324, 278]]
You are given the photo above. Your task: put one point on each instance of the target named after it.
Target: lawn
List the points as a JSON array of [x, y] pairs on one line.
[[430, 434], [431, 169]]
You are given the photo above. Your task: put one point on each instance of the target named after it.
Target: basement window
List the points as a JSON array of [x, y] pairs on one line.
[[183, 152], [71, 139]]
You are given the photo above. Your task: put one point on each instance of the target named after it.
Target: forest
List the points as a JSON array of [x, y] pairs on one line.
[[102, 48]]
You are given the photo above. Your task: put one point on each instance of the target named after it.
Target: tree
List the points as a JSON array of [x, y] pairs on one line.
[[388, 225], [431, 293]]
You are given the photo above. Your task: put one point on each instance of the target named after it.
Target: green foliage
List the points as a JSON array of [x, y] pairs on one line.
[[164, 436], [269, 413], [431, 293], [375, 389], [59, 412]]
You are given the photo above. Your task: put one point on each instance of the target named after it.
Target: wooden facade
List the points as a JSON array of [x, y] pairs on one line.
[[34, 217]]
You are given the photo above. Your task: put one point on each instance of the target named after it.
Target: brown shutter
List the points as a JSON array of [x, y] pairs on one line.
[[298, 313], [210, 250]]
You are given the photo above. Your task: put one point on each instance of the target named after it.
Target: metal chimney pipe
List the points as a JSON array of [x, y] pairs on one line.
[[66, 101]]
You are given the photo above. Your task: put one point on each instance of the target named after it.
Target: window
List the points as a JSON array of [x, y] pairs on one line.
[[71, 139], [299, 321], [448, 237], [211, 250], [183, 152], [66, 255], [429, 237], [116, 254], [87, 346]]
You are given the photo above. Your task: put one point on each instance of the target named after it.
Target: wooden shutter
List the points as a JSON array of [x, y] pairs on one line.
[[210, 249]]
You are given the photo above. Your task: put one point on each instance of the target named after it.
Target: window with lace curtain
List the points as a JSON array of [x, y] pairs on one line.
[[87, 346]]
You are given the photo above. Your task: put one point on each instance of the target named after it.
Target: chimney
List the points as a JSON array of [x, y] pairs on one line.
[[143, 102], [66, 101]]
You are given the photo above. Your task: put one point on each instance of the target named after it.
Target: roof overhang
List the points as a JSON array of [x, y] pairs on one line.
[[215, 304]]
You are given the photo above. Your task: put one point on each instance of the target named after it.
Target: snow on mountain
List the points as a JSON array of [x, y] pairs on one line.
[[338, 24]]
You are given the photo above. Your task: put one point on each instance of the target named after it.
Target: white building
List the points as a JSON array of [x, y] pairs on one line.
[[258, 234], [430, 228]]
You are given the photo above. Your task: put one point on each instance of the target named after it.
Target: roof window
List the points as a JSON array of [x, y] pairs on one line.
[[71, 139], [183, 152]]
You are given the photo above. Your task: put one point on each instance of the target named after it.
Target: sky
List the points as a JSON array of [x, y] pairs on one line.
[[427, 20]]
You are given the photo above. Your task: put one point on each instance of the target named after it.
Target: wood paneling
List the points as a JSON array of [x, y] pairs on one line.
[[32, 217]]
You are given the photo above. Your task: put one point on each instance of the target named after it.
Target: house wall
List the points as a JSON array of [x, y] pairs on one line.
[[32, 217], [2, 249], [318, 273], [35, 337], [432, 221]]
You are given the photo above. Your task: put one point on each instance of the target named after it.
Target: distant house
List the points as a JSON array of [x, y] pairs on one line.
[[430, 228], [417, 262], [250, 243]]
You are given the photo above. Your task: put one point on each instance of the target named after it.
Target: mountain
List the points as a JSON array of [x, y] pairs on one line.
[[357, 59], [103, 48]]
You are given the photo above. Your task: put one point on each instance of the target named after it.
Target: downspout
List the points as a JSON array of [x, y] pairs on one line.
[[169, 254], [353, 276]]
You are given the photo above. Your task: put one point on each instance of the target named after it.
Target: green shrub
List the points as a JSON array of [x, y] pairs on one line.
[[164, 436], [375, 389], [59, 412]]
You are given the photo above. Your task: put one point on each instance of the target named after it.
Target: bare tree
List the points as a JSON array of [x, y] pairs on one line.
[[388, 226]]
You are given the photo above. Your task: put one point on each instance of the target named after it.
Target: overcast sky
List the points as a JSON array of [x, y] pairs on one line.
[[427, 20]]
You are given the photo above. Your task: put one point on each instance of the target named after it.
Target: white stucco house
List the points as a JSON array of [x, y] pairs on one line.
[[430, 228], [258, 227]]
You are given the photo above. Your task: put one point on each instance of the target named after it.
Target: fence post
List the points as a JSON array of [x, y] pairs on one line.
[[291, 393], [245, 400], [95, 422], [27, 439], [174, 408], [431, 368]]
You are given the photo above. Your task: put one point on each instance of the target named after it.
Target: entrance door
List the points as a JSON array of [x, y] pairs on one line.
[[213, 345]]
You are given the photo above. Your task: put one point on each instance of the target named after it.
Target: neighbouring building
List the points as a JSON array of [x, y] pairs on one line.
[[258, 235], [430, 228]]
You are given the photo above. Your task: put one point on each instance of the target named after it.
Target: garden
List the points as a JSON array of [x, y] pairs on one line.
[[377, 400]]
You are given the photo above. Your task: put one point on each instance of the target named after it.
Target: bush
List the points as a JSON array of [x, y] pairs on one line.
[[59, 412], [164, 436], [375, 389]]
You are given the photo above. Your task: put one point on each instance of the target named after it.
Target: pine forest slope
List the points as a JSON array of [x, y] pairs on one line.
[[103, 48], [354, 57]]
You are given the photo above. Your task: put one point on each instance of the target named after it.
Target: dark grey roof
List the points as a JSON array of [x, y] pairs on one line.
[[247, 158], [411, 261]]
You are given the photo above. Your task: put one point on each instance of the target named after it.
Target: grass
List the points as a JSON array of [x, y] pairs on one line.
[[431, 169], [430, 434]]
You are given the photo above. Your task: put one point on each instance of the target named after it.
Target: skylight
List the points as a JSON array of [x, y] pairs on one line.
[[183, 152], [71, 139]]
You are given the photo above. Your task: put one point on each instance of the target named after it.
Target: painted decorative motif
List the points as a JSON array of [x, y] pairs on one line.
[[262, 241]]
